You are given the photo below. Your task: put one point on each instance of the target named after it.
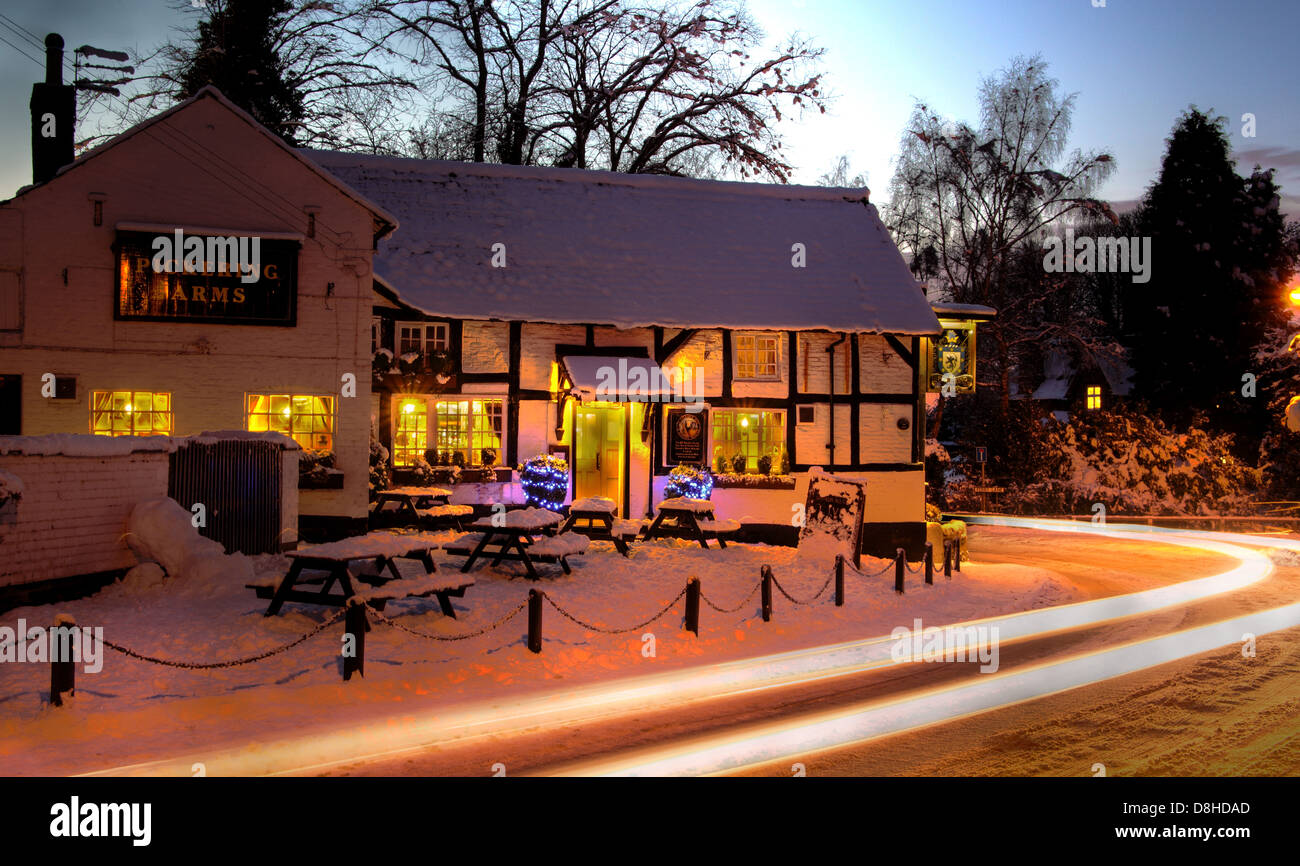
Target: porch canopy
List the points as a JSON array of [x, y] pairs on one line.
[[622, 379]]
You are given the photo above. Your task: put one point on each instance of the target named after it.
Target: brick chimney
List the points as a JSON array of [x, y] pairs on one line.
[[54, 106]]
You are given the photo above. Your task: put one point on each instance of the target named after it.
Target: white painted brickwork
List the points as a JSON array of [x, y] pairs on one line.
[[72, 515]]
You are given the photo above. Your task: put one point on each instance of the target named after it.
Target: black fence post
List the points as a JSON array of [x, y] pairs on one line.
[[355, 625], [929, 562], [956, 554], [535, 620], [900, 563], [947, 559], [839, 580], [767, 593], [693, 605], [63, 676]]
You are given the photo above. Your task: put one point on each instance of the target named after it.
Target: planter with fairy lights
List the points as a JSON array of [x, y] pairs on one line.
[[545, 481], [692, 482]]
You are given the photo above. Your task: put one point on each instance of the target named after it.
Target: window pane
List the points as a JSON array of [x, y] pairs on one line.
[[130, 413]]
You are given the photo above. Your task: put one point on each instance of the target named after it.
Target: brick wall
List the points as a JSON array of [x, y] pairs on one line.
[[72, 515]]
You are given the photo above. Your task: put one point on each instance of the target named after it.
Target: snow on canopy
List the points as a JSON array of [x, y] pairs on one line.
[[633, 250]]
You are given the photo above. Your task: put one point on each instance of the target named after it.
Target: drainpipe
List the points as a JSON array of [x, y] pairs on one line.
[[830, 368]]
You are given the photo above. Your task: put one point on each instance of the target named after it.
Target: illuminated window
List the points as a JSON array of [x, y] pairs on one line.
[[752, 434], [467, 427], [1094, 397], [130, 413], [411, 438], [308, 420], [757, 356], [422, 337]]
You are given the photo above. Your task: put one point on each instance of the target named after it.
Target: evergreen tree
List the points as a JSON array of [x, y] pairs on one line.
[[235, 51], [1220, 256]]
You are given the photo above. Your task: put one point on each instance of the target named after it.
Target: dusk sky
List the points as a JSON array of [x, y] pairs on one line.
[[1134, 65]]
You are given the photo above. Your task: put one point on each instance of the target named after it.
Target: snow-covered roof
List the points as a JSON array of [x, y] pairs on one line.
[[978, 312], [591, 247]]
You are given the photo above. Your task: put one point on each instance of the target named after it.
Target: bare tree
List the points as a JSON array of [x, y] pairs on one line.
[[966, 201], [671, 89]]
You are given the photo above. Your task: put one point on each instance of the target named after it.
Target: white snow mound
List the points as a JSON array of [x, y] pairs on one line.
[[161, 531]]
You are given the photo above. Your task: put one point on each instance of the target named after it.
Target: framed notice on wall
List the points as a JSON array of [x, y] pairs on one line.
[[833, 515], [685, 437]]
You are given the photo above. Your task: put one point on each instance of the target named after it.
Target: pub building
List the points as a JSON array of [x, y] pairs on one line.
[[468, 317]]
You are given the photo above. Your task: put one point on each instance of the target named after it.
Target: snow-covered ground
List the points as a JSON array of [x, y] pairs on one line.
[[133, 710]]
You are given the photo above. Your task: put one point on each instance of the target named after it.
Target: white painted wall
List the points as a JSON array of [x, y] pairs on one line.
[[182, 175], [73, 512]]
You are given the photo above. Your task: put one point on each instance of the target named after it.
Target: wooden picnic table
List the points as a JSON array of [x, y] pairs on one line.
[[408, 502], [599, 515], [380, 551], [692, 519], [512, 536]]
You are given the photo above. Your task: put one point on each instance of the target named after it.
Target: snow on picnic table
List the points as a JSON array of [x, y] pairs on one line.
[[133, 710], [685, 503], [416, 491], [523, 518], [372, 545]]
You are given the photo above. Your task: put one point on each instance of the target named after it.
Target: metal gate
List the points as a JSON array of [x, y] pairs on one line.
[[238, 483]]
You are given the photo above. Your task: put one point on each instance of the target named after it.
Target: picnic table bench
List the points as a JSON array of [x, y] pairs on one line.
[[598, 522], [379, 576], [523, 536], [682, 517]]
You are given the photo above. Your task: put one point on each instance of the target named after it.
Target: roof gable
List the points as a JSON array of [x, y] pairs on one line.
[[385, 220]]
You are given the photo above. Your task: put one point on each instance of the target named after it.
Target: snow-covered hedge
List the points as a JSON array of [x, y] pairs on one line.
[[1128, 461]]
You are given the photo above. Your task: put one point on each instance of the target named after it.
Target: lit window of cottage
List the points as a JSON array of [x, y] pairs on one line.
[[757, 356], [131, 413], [748, 434], [411, 438], [308, 420], [467, 427]]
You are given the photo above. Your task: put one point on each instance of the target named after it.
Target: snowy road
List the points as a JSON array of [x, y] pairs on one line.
[[800, 720]]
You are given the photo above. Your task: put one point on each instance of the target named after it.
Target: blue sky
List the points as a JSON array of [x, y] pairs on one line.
[[1135, 64]]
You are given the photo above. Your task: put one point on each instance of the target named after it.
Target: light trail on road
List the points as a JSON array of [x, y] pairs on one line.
[[839, 730], [846, 728], [458, 725]]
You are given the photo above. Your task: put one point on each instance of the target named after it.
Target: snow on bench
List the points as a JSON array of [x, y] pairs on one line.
[[718, 527], [464, 544], [594, 503], [427, 584], [369, 546], [445, 511], [626, 528], [684, 503], [564, 544]]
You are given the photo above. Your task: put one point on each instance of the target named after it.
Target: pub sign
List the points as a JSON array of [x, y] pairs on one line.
[[231, 280]]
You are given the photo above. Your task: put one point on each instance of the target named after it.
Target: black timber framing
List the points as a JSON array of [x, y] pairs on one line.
[[512, 395], [855, 408]]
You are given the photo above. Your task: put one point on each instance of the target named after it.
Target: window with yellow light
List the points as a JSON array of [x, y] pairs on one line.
[[1093, 397], [131, 413], [307, 419], [411, 437], [467, 427], [749, 434]]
